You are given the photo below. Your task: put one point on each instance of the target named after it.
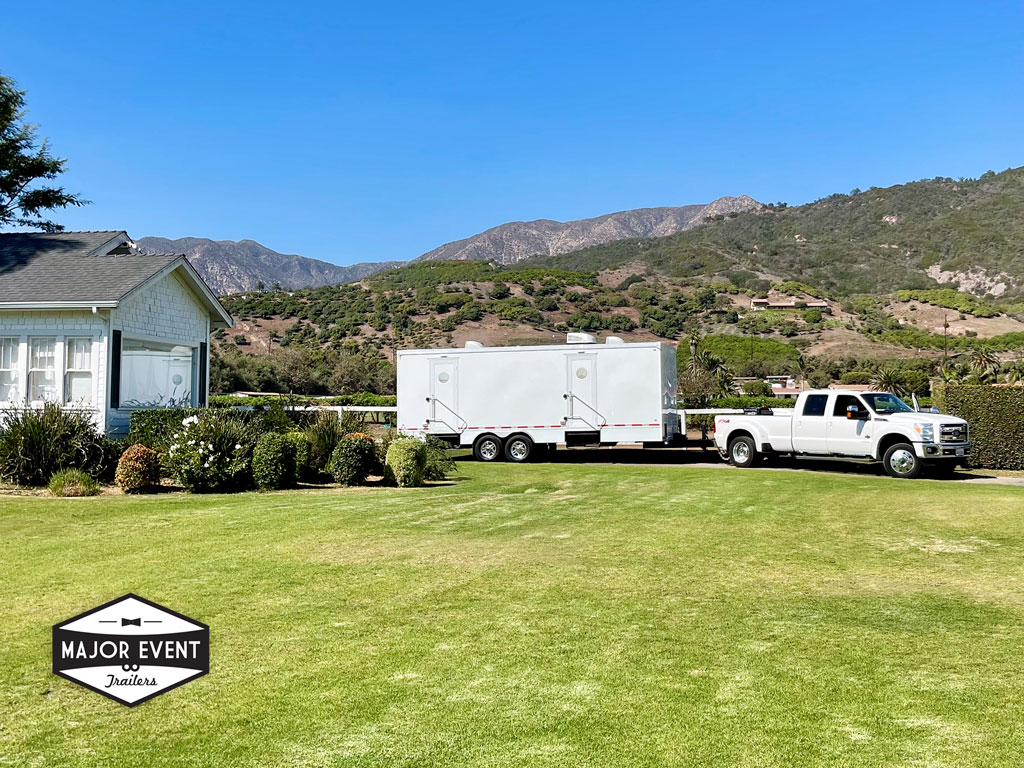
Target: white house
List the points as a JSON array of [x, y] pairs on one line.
[[89, 321]]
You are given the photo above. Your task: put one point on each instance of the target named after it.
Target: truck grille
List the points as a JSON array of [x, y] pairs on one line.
[[953, 433]]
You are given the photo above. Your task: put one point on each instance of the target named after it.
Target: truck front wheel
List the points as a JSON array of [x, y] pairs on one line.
[[487, 448], [742, 451], [901, 461]]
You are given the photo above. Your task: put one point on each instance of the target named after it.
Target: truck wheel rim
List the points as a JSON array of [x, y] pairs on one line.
[[901, 461], [488, 450], [741, 452], [518, 449]]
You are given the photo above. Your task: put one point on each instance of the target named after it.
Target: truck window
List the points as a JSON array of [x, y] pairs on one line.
[[842, 402], [814, 405]]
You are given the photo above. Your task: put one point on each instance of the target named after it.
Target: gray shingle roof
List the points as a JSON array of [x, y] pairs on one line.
[[65, 267]]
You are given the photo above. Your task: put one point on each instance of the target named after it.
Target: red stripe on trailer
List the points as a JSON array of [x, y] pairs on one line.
[[538, 426], [555, 426], [413, 429], [618, 425], [654, 424], [472, 427], [504, 427], [523, 426], [636, 425], [490, 427]]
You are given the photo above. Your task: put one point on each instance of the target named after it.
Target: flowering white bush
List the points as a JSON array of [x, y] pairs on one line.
[[210, 453]]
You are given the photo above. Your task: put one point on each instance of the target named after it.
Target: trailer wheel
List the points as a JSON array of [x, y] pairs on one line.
[[901, 461], [742, 451], [487, 448], [518, 448]]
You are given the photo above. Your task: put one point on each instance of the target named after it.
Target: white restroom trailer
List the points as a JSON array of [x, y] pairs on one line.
[[505, 401]]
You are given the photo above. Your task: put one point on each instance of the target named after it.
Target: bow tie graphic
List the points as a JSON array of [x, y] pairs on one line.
[[131, 622]]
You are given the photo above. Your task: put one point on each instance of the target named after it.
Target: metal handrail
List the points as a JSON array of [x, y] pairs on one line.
[[571, 396], [458, 428]]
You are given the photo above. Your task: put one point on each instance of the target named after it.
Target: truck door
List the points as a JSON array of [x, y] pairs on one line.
[[849, 437], [581, 393], [444, 396], [810, 426]]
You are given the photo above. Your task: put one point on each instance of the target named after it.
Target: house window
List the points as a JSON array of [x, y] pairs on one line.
[[42, 369], [155, 375], [78, 371], [8, 370]]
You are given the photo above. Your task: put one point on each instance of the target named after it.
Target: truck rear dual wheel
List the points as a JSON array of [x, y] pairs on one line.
[[901, 461], [742, 451]]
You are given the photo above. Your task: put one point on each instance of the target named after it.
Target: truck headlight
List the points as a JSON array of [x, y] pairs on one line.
[[926, 431]]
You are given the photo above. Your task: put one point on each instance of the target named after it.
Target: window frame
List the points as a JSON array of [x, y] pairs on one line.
[[58, 382], [90, 369], [16, 369]]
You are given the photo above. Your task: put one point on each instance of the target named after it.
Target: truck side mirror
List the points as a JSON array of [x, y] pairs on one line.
[[853, 412]]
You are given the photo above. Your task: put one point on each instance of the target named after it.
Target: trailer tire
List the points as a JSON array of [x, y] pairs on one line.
[[487, 448], [901, 461], [742, 451], [518, 448]]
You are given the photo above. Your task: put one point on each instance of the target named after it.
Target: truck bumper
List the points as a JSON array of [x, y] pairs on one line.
[[943, 451]]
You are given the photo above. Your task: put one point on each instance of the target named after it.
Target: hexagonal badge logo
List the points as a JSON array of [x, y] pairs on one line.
[[131, 649]]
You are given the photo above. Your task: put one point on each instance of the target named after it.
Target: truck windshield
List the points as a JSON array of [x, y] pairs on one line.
[[887, 404]]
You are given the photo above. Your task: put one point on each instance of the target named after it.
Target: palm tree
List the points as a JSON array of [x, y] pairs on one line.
[[985, 363], [889, 379]]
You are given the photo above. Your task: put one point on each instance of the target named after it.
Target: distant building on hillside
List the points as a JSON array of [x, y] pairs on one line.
[[762, 304]]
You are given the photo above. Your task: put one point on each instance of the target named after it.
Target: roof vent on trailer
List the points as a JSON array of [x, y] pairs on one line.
[[473, 344], [614, 340], [580, 338]]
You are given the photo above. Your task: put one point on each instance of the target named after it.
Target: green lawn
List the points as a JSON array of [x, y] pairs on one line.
[[540, 615]]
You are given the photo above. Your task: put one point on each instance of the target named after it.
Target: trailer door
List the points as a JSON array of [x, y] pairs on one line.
[[444, 396], [581, 393]]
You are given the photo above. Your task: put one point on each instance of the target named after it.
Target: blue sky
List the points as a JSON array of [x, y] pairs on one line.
[[362, 132]]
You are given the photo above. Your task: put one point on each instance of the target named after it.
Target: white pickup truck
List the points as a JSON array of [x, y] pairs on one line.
[[841, 424]]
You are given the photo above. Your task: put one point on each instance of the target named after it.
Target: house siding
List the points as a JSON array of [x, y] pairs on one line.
[[165, 310]]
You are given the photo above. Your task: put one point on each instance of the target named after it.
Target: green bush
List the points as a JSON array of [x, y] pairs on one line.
[[138, 469], [73, 482], [439, 461], [325, 431], [406, 462], [298, 446], [153, 427], [36, 443], [353, 460], [995, 416], [273, 463], [111, 450], [212, 452]]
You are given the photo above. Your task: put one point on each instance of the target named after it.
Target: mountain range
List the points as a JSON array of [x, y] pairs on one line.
[[230, 266]]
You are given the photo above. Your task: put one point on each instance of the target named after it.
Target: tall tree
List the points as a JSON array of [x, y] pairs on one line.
[[26, 162]]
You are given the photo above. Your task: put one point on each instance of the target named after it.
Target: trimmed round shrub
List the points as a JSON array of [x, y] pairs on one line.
[[138, 469], [352, 460], [37, 442], [272, 464], [73, 482], [298, 444], [406, 462]]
